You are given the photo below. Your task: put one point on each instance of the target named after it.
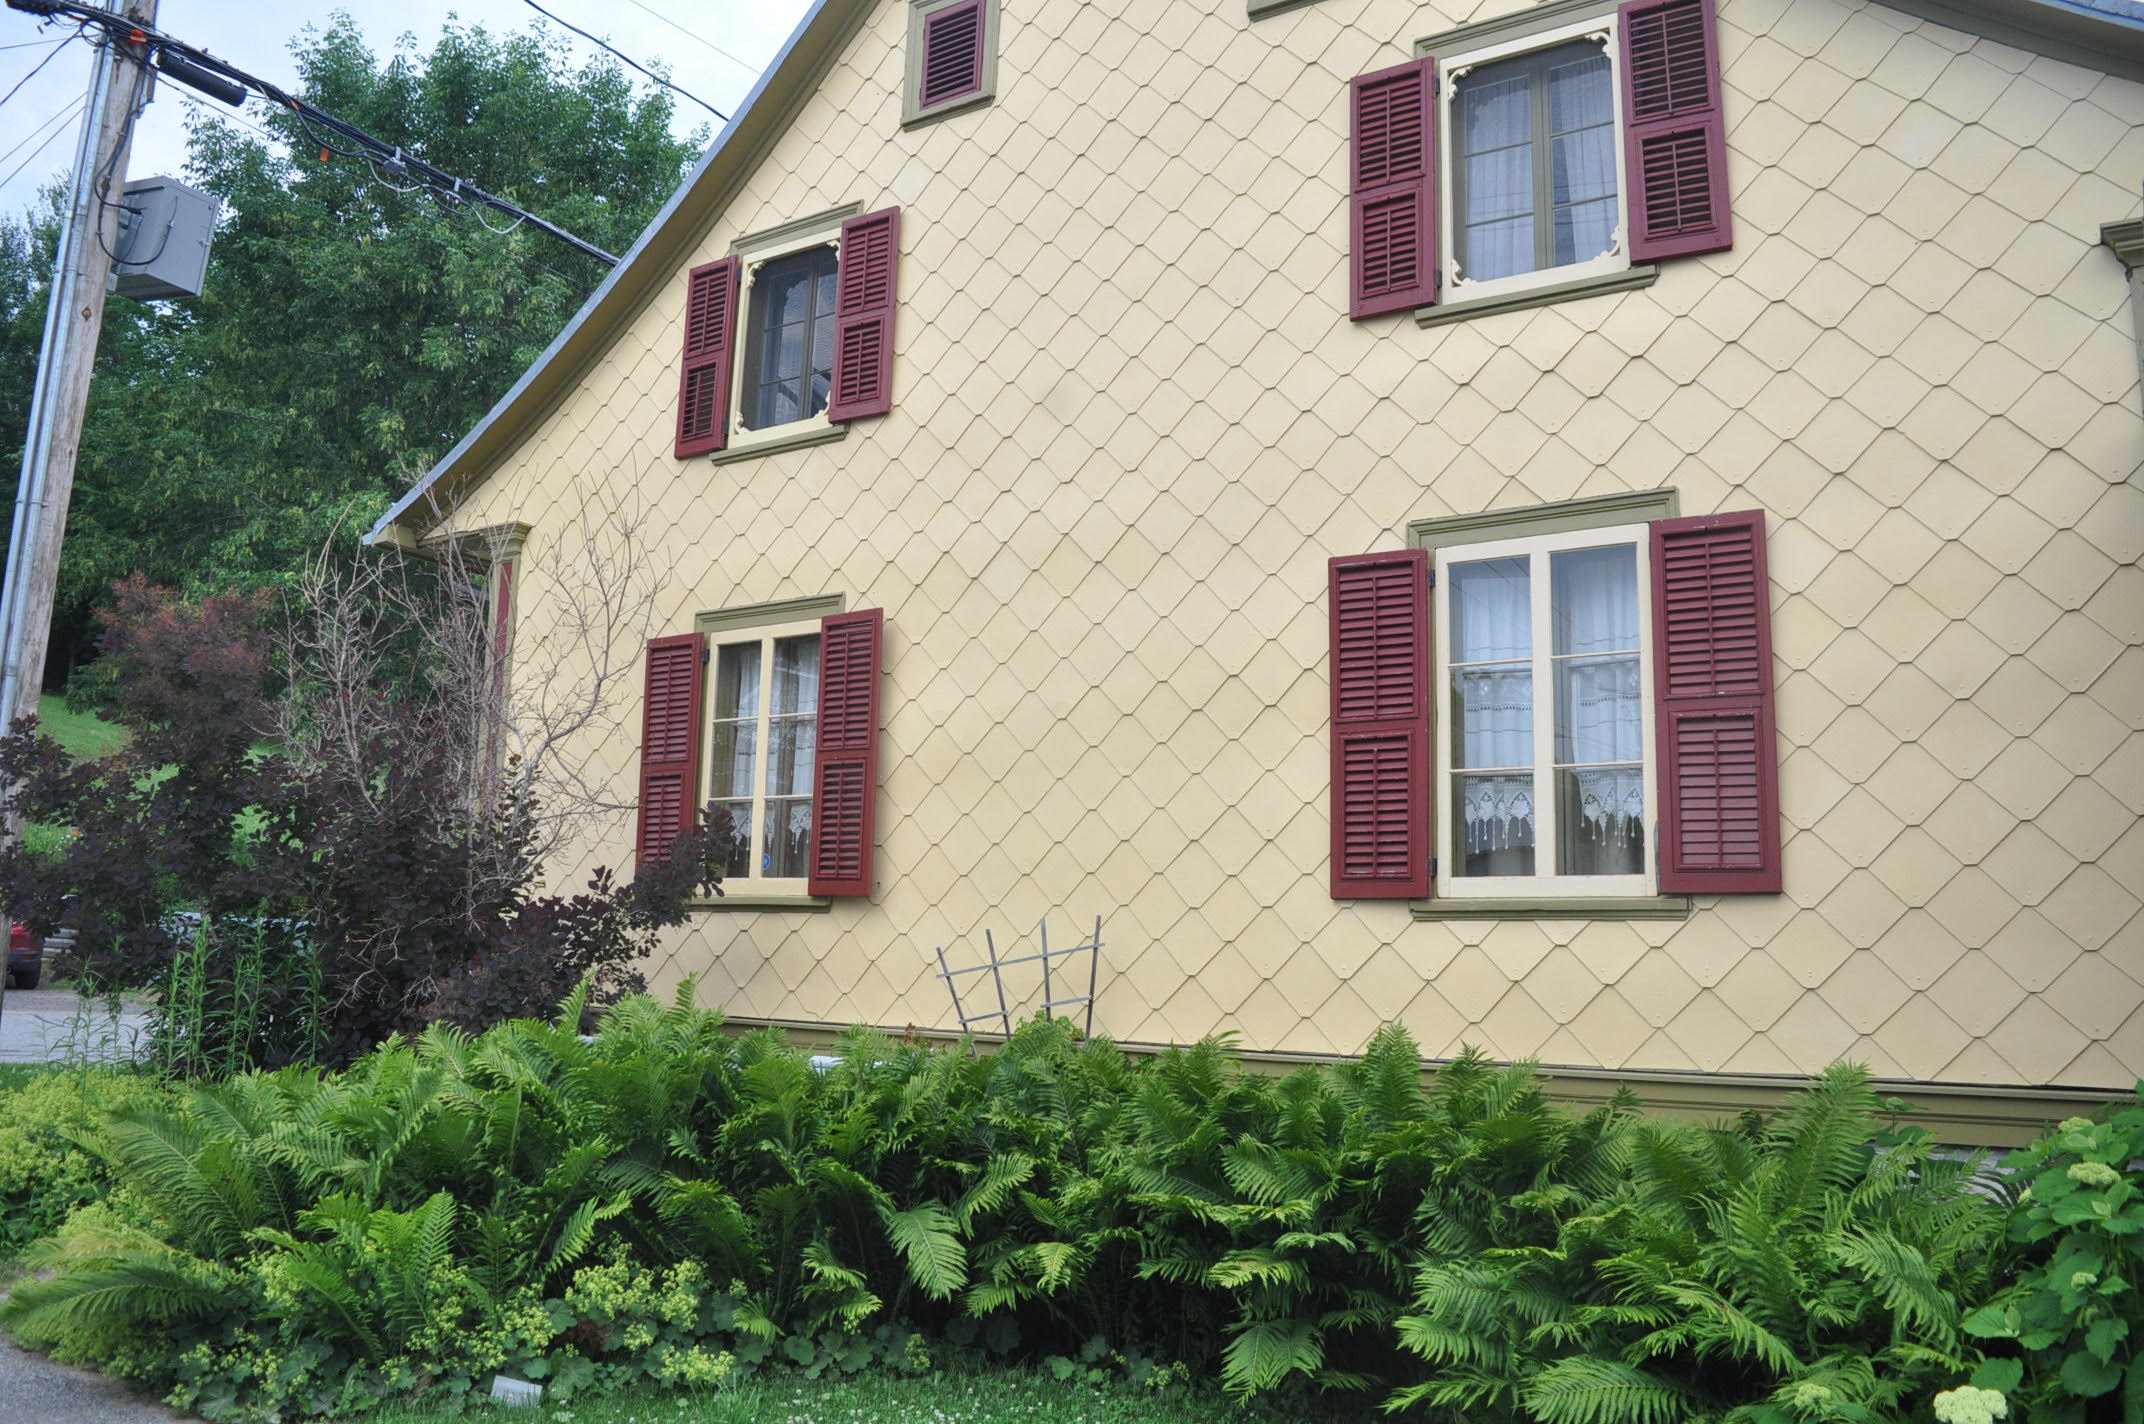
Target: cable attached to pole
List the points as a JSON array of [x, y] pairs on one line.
[[199, 70]]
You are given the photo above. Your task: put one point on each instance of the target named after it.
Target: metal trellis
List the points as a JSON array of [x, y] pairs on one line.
[[995, 967]]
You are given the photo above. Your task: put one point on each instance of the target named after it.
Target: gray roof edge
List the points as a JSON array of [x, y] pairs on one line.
[[2106, 35], [378, 532]]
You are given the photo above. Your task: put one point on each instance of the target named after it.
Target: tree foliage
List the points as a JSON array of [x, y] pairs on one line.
[[350, 332], [304, 854]]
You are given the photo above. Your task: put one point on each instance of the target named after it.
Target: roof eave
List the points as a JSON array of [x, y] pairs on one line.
[[663, 244]]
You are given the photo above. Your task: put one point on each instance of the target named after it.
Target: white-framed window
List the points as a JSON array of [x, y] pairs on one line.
[[783, 376], [763, 734], [1545, 758], [1531, 192]]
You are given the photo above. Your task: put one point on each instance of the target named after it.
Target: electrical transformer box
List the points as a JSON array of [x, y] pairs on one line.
[[164, 233]]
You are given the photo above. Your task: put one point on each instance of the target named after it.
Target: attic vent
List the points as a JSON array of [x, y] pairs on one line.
[[952, 53], [952, 47]]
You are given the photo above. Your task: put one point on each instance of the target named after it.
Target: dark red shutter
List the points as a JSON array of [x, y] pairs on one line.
[[1675, 135], [669, 743], [844, 792], [863, 316], [1392, 241], [703, 399], [952, 54], [1381, 750], [1712, 680]]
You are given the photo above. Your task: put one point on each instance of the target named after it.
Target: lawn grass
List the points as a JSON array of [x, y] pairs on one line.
[[85, 735], [1012, 1397]]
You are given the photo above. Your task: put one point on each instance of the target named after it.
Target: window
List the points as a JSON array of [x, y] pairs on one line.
[[1535, 186], [763, 732], [789, 352], [1545, 763], [952, 58], [790, 337], [1532, 166], [1539, 157], [769, 711], [1556, 711]]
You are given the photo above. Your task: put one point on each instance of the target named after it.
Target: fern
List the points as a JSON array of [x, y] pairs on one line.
[[1585, 1390]]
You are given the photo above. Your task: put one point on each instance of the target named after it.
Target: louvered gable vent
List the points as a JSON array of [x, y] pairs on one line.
[[1675, 150], [952, 54]]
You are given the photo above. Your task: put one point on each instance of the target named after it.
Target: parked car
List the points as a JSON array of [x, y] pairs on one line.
[[25, 957]]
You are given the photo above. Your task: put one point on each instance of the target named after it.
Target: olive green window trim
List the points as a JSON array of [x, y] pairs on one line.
[[1644, 274], [1534, 20], [1601, 511], [749, 616], [744, 903], [1655, 907], [1261, 9], [912, 115], [827, 224], [806, 434]]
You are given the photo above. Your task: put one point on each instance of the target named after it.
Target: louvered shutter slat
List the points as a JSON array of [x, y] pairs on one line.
[[1392, 240], [1719, 776], [703, 404], [1380, 725], [669, 743], [866, 296], [1675, 133], [952, 64], [845, 779]]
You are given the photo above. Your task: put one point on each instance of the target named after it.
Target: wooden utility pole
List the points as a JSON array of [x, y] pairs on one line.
[[74, 318]]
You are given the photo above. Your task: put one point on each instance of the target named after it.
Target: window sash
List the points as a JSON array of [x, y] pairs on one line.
[[820, 267], [744, 384], [1542, 658], [1453, 71], [763, 760], [1537, 69]]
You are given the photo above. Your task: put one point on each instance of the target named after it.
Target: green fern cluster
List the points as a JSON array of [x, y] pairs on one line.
[[666, 1202], [1808, 1269]]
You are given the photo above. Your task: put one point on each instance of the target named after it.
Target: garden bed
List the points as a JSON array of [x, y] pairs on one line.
[[664, 1206]]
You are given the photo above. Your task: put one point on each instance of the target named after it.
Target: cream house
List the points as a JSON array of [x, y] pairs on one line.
[[1604, 532]]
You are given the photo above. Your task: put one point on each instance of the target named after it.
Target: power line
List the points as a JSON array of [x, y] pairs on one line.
[[695, 36], [32, 44], [67, 113], [198, 69], [39, 66], [629, 60]]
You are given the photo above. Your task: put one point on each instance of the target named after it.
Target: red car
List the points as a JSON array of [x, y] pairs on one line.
[[25, 958]]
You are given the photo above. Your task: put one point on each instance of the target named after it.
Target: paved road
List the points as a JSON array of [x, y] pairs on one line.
[[45, 1025], [33, 1390]]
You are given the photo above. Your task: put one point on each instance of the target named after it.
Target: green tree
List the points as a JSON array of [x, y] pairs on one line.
[[352, 328]]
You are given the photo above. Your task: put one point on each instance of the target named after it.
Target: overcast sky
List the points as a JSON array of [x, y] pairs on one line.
[[256, 36]]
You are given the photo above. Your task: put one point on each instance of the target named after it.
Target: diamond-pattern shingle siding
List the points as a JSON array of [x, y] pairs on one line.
[[1131, 421]]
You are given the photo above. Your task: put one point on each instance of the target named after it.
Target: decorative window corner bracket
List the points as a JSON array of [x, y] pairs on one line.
[[2126, 238]]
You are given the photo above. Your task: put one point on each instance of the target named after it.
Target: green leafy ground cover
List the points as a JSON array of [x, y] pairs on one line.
[[667, 1207]]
